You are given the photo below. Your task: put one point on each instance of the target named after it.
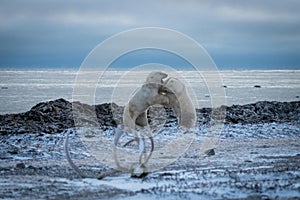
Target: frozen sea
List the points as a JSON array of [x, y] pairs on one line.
[[252, 161], [22, 89]]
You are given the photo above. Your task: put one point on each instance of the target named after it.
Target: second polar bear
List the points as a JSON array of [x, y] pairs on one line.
[[181, 102], [148, 95]]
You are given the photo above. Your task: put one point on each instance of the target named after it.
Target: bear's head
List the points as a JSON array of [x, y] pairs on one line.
[[174, 85], [156, 77]]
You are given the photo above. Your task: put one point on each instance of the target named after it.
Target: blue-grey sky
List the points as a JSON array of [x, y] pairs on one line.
[[237, 34]]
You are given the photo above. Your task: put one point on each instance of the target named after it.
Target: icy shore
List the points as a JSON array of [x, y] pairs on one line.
[[257, 156]]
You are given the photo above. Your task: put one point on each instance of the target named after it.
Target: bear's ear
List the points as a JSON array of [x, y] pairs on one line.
[[162, 77]]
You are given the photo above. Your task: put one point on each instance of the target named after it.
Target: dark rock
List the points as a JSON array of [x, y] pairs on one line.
[[13, 149], [58, 115], [20, 165], [210, 152], [31, 167], [257, 86]]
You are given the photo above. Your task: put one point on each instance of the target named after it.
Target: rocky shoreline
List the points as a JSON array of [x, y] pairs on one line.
[[57, 115]]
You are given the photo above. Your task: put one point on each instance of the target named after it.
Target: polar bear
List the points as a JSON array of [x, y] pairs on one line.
[[135, 112], [180, 101], [153, 77], [148, 95]]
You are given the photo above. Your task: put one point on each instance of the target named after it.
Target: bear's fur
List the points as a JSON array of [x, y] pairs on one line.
[[148, 95], [180, 101]]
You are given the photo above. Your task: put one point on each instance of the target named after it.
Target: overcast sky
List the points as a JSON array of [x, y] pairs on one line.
[[237, 34]]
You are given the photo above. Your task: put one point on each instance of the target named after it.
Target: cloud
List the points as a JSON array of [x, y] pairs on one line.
[[249, 29]]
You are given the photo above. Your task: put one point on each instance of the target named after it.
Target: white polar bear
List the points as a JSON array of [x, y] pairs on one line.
[[148, 95], [180, 101], [137, 106]]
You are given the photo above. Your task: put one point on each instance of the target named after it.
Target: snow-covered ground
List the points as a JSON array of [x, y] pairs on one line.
[[254, 161]]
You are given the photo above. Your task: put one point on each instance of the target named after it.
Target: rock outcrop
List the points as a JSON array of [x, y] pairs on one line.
[[58, 115]]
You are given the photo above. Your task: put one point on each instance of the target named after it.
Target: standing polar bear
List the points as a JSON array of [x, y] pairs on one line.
[[148, 95], [135, 112], [180, 101]]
